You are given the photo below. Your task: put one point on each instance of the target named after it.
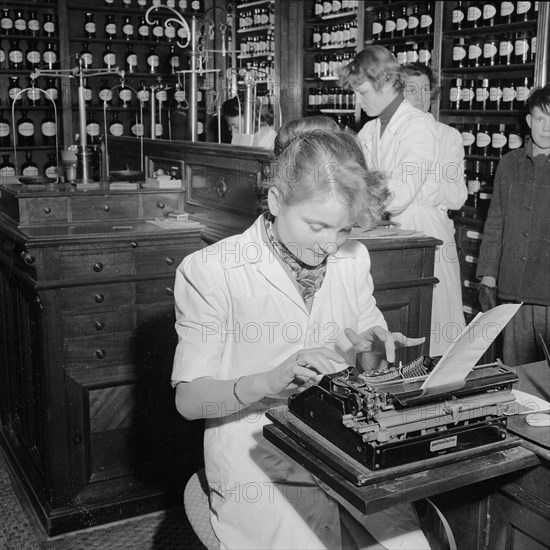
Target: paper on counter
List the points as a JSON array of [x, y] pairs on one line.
[[526, 403], [467, 349]]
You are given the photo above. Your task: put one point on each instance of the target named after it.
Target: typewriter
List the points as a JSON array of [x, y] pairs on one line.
[[384, 418]]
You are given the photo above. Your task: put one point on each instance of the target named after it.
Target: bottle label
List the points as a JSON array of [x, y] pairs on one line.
[[489, 50], [92, 129], [506, 8], [137, 129], [505, 48], [179, 96], [521, 46], [128, 29], [401, 24], [473, 13], [87, 94], [33, 25], [110, 28], [485, 196], [116, 129], [50, 57], [161, 95], [474, 186], [158, 129], [143, 30], [424, 56], [459, 52], [523, 7], [522, 93], [467, 94], [468, 139], [15, 56], [498, 141], [125, 95], [401, 57], [13, 92], [158, 32], [30, 171], [482, 94], [195, 5], [89, 27], [20, 25], [514, 141], [489, 11], [143, 95], [534, 45], [376, 28], [49, 27], [105, 94], [109, 59], [131, 60], [458, 16], [51, 172], [26, 129], [53, 93], [4, 129], [425, 21], [508, 94], [412, 56], [33, 57], [413, 22], [2, 56], [7, 171], [33, 94], [6, 23], [495, 94], [455, 94], [474, 52], [483, 139], [86, 59], [48, 129]]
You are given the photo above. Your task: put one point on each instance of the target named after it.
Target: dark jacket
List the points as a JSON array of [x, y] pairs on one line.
[[516, 238]]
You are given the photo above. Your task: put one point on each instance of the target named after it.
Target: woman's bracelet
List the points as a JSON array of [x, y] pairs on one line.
[[239, 400]]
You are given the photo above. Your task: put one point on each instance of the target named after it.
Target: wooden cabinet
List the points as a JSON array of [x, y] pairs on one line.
[[87, 338]]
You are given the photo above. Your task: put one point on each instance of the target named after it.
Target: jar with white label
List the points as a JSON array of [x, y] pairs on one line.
[[5, 131], [131, 60], [523, 89], [109, 57], [506, 15], [499, 141], [483, 140], [468, 138], [89, 25], [490, 51], [515, 139], [110, 27], [482, 95], [506, 49], [25, 131], [116, 127], [489, 14], [455, 93], [92, 128], [33, 57], [34, 95], [50, 167], [49, 55], [153, 60], [29, 168], [474, 14], [48, 129], [7, 168], [508, 95], [522, 45], [15, 55], [495, 95], [389, 25], [468, 95], [458, 16], [475, 53], [459, 53], [525, 11]]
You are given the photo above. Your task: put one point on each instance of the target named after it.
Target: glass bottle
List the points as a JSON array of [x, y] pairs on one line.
[[523, 89], [33, 55], [5, 130], [468, 138], [170, 31], [455, 93], [499, 141], [490, 51], [131, 60], [157, 31], [427, 19], [143, 93], [49, 55], [495, 95], [483, 140], [521, 47], [105, 93], [424, 53], [14, 90], [412, 52], [109, 57], [89, 26], [174, 59], [29, 168], [110, 27], [474, 185], [125, 96], [196, 6], [86, 56], [316, 37], [33, 24], [458, 16], [143, 29], [7, 168], [33, 94], [508, 95], [413, 23], [401, 22], [482, 95], [6, 22], [48, 128], [525, 11], [2, 57], [475, 53], [485, 192], [88, 93], [128, 28], [474, 14], [489, 14], [506, 15], [152, 60], [505, 49], [52, 91], [92, 128], [50, 167], [459, 53], [19, 23], [389, 25], [25, 130], [48, 26], [115, 126], [468, 95], [15, 55], [515, 141]]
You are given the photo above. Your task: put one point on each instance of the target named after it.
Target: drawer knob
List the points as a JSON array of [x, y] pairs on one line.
[[161, 205], [99, 325], [221, 188], [77, 437], [106, 208], [47, 210], [133, 244], [98, 267], [170, 261], [100, 353], [169, 291], [27, 258], [99, 298]]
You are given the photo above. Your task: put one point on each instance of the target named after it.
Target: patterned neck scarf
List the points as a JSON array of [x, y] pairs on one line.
[[309, 278]]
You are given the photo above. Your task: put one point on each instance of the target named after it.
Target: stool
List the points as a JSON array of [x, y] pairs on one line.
[[197, 508]]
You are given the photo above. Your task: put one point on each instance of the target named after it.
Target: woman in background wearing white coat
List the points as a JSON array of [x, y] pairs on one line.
[[259, 313], [403, 142]]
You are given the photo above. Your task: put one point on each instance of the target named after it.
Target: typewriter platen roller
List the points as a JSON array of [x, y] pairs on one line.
[[383, 419]]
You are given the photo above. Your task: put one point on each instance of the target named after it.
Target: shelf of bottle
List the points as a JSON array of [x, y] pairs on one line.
[[255, 4], [493, 29], [452, 71], [252, 30], [481, 112], [131, 41], [321, 79], [124, 10], [141, 75], [130, 107], [487, 158], [383, 6], [332, 16], [44, 107], [29, 38], [17, 4], [331, 48], [413, 38], [257, 55], [27, 147], [337, 111]]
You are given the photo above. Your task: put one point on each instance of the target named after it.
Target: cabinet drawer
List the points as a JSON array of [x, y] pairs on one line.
[[109, 323], [98, 261], [160, 260], [101, 350], [107, 207], [155, 291], [96, 297], [48, 209], [159, 206]]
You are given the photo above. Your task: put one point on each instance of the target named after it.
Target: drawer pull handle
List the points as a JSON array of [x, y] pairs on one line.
[[170, 261], [27, 258], [221, 188], [98, 267], [77, 437], [106, 208], [133, 244], [169, 291], [47, 210], [99, 325], [100, 353], [99, 298], [161, 205]]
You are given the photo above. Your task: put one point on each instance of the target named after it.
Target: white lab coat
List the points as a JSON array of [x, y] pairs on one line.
[[409, 154], [238, 312]]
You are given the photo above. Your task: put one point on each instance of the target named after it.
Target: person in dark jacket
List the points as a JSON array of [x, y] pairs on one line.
[[514, 261]]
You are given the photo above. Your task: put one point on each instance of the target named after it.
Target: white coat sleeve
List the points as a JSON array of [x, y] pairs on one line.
[[414, 162], [453, 190]]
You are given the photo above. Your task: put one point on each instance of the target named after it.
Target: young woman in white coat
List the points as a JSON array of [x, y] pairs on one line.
[[403, 142], [260, 313]]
